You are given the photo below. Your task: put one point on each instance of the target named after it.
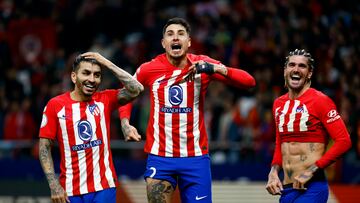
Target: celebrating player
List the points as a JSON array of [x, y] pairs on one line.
[[305, 119], [176, 139], [80, 122]]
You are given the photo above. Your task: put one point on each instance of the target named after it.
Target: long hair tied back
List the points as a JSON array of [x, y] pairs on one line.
[[301, 52]]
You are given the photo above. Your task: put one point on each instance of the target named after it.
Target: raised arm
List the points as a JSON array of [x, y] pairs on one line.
[[132, 88], [231, 76], [58, 193]]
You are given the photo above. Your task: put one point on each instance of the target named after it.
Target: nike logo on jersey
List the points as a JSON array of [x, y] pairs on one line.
[[200, 198]]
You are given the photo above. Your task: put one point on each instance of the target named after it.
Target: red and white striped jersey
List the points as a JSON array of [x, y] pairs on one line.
[[176, 123], [310, 118], [82, 130]]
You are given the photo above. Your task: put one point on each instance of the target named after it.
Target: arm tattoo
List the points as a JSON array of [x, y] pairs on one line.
[[48, 165], [124, 96], [303, 157], [132, 87], [156, 192]]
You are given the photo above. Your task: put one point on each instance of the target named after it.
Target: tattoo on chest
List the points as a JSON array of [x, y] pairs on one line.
[[157, 192], [289, 173], [303, 157], [312, 147]]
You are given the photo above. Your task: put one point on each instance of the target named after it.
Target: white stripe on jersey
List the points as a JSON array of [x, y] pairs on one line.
[[290, 124], [168, 116], [183, 122], [81, 153], [67, 154], [155, 87], [95, 150], [282, 116], [196, 114], [304, 119], [108, 172]]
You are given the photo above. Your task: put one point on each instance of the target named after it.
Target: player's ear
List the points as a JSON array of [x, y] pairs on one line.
[[189, 44], [310, 74], [162, 43], [73, 77]]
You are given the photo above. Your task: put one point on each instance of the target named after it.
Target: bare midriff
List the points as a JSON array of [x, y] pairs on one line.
[[298, 156]]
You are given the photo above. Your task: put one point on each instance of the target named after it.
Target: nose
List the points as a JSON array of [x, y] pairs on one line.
[[296, 68], [91, 78], [176, 37]]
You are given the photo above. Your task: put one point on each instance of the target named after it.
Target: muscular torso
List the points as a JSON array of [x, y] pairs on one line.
[[299, 156]]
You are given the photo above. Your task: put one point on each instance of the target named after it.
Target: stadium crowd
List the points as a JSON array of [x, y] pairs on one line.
[[39, 39]]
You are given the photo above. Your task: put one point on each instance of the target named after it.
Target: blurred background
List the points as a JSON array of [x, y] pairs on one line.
[[40, 38]]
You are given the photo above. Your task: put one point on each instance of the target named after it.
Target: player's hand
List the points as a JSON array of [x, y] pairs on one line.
[[129, 131], [98, 57], [204, 67], [274, 185], [301, 179], [199, 67], [58, 194]]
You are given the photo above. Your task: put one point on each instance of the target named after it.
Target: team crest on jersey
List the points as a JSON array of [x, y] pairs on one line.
[[300, 109], [175, 95], [85, 131], [333, 116], [94, 109]]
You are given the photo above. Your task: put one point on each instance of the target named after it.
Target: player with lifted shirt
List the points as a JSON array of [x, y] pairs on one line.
[[305, 120], [80, 122], [176, 139]]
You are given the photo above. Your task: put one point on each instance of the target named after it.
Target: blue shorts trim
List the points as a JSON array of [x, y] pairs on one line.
[[107, 195], [316, 192], [191, 174]]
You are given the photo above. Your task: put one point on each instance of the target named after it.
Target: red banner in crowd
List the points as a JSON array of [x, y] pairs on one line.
[[30, 39]]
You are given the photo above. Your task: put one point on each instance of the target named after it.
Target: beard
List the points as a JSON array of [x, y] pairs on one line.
[[301, 85], [83, 89]]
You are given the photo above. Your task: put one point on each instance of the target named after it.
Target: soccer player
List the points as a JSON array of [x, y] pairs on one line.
[[176, 139], [80, 122], [305, 119]]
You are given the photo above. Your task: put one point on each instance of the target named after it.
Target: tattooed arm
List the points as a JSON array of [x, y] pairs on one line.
[[132, 87], [57, 192], [129, 131], [274, 185]]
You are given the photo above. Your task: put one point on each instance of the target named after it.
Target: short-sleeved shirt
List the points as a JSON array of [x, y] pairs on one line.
[[82, 130]]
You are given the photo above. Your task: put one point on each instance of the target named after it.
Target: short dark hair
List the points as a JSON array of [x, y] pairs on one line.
[[301, 52], [80, 59], [179, 21]]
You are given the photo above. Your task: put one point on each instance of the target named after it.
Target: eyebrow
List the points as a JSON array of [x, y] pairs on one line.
[[300, 64]]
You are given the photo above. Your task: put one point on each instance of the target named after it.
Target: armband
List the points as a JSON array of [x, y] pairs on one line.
[[206, 67]]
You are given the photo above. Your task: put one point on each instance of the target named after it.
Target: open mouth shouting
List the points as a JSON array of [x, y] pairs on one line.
[[296, 80], [176, 48]]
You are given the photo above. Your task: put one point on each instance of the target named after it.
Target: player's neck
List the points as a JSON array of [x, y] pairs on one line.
[[76, 96], [294, 94], [178, 62]]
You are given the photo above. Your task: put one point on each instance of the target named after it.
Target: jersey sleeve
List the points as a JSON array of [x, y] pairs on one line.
[[235, 77], [49, 122], [112, 98], [277, 157], [336, 129], [125, 110]]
